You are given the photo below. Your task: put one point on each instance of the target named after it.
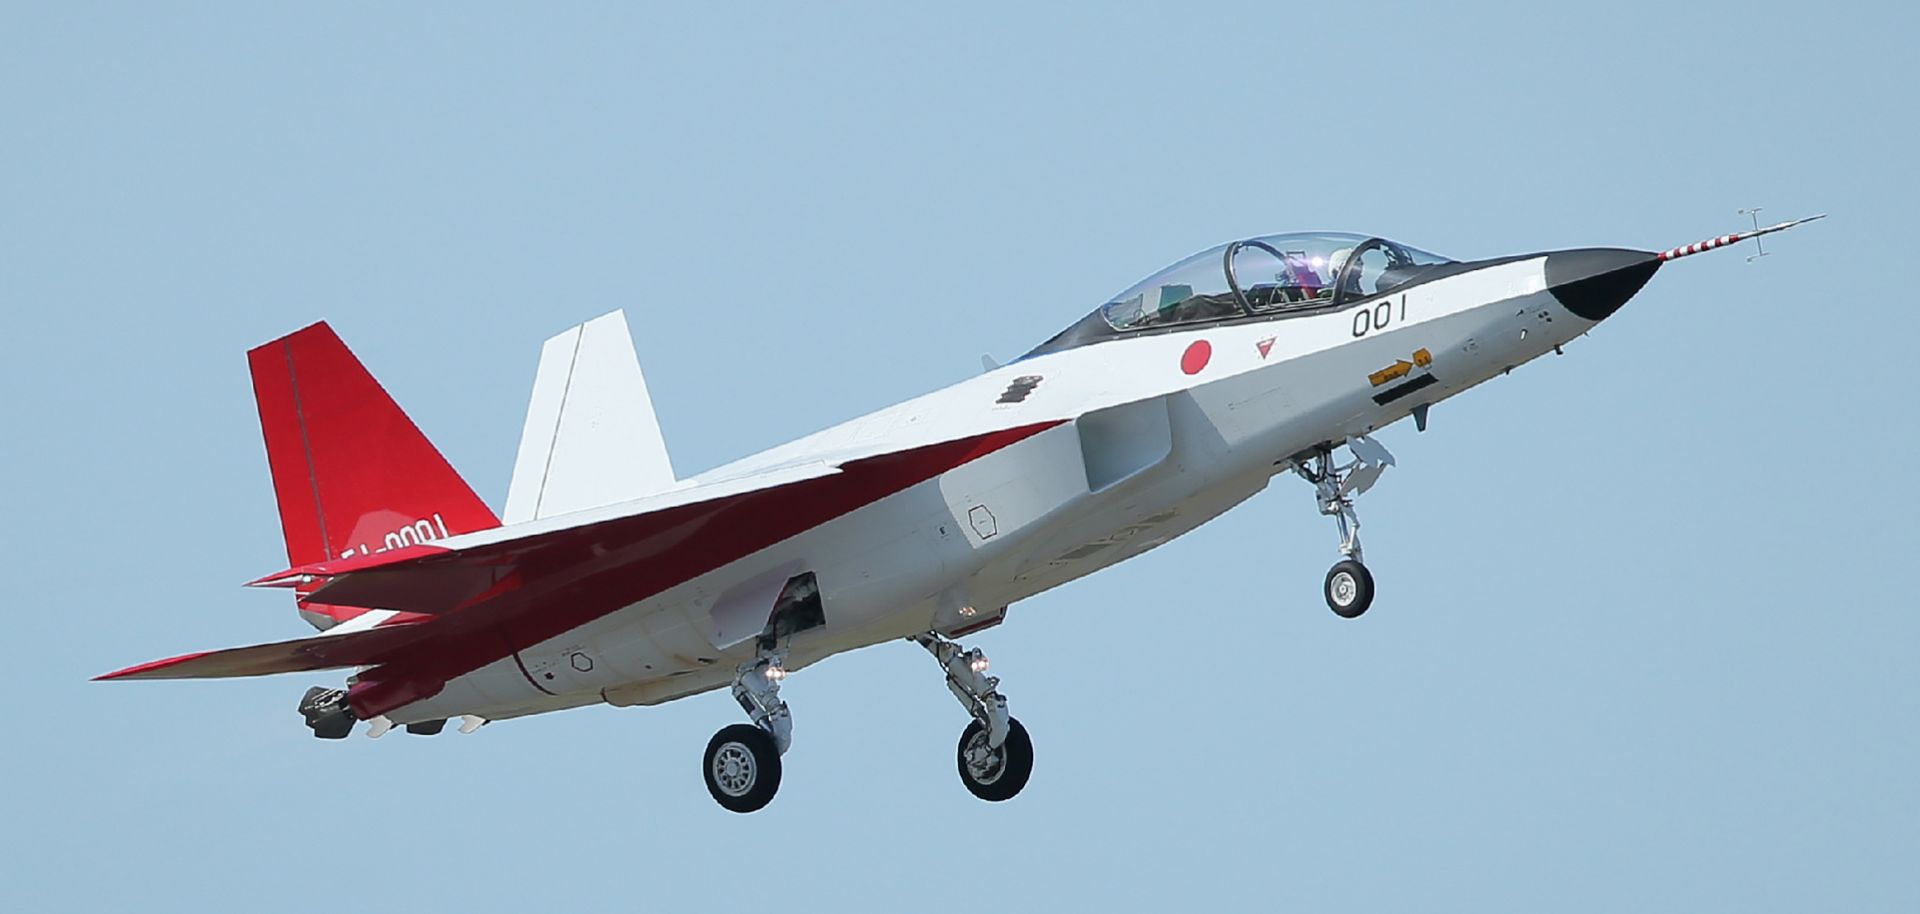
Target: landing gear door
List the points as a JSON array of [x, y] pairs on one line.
[[740, 612]]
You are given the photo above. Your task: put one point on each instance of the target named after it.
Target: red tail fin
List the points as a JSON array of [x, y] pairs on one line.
[[351, 472]]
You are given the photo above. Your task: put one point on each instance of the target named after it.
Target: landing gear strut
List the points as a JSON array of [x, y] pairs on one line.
[[995, 755], [742, 763], [1349, 585]]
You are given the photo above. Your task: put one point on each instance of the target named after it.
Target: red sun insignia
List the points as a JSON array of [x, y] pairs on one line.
[[1196, 357]]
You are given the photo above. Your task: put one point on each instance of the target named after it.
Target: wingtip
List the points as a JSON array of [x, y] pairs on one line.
[[140, 670], [288, 578]]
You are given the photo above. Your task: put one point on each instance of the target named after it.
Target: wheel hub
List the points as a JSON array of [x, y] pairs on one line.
[[984, 764], [1344, 588], [733, 770]]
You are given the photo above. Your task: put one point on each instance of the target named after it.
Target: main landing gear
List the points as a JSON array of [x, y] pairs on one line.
[[330, 717], [742, 764], [327, 713], [1349, 585], [995, 755]]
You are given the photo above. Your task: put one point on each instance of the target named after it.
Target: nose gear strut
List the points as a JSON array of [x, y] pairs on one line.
[[1349, 585]]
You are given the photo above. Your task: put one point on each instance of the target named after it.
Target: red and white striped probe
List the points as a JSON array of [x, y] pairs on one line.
[[1724, 240]]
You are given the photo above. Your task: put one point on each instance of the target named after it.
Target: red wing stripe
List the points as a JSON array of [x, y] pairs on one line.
[[572, 577]]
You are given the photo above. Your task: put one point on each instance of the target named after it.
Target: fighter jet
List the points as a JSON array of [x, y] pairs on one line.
[[608, 579]]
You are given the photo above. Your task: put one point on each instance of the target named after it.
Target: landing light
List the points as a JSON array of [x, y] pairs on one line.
[[979, 664], [776, 673]]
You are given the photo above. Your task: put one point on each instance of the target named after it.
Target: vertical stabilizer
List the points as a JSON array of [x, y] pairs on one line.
[[591, 438], [351, 473]]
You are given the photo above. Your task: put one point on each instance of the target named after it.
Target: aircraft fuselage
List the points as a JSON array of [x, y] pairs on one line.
[[1122, 446]]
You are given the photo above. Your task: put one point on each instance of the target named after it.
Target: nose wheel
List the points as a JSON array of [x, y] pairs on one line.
[[1349, 585], [1349, 589]]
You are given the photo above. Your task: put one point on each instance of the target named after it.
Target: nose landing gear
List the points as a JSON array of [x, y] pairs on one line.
[[1349, 588], [1349, 585]]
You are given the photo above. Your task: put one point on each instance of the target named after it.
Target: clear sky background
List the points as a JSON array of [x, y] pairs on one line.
[[1647, 624]]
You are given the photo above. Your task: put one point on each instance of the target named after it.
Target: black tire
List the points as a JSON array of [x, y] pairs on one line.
[[326, 713], [1011, 764], [1348, 589], [332, 725], [742, 767], [427, 727]]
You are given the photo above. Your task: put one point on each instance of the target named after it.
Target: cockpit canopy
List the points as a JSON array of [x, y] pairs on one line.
[[1267, 275]]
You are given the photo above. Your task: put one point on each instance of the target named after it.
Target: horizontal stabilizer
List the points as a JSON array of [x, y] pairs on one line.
[[315, 652], [591, 437]]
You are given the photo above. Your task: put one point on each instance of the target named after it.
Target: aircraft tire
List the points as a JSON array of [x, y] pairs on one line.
[[333, 725], [1011, 765], [1348, 589], [742, 767]]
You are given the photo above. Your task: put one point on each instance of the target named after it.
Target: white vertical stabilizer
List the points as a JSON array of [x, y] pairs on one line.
[[591, 438]]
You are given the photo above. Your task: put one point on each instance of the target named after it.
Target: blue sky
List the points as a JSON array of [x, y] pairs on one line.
[[1646, 623]]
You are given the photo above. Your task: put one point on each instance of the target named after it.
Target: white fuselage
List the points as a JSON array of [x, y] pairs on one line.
[[1141, 452]]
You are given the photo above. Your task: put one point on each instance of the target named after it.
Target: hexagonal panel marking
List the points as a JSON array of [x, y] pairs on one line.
[[984, 526]]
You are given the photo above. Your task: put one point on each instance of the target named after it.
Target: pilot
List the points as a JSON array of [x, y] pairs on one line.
[[1349, 285]]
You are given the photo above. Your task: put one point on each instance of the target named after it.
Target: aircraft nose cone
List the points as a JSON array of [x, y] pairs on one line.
[[1594, 282]]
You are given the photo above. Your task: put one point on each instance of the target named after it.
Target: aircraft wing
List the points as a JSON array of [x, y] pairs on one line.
[[438, 577], [523, 584], [314, 652], [494, 591]]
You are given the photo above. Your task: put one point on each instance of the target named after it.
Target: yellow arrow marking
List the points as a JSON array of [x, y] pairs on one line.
[[1394, 372], [1401, 368]]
